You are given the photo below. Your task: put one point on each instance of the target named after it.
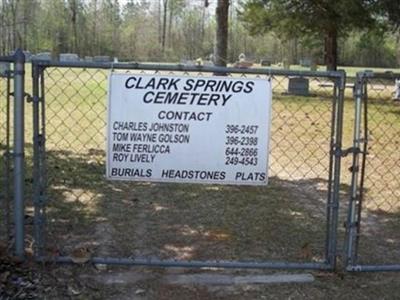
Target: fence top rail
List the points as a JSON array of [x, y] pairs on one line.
[[185, 68], [17, 57], [7, 59]]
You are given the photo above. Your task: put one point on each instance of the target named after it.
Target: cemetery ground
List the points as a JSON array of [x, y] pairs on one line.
[[285, 221]]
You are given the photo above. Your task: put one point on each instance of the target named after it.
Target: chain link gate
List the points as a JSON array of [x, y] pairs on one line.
[[293, 220], [373, 219], [12, 167]]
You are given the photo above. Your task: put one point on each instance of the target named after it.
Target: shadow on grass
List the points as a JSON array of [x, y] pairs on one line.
[[284, 221], [379, 237]]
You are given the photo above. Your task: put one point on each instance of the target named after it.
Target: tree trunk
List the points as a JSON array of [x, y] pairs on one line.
[[170, 18], [331, 49], [398, 49], [164, 26], [73, 8], [14, 44], [221, 47], [95, 47], [159, 21], [3, 36]]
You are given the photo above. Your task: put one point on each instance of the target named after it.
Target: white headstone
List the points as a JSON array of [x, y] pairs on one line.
[[397, 90], [4, 69], [102, 58], [65, 57], [42, 56]]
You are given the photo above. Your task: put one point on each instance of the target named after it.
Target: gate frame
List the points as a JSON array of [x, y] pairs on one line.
[[353, 224], [335, 155], [18, 153]]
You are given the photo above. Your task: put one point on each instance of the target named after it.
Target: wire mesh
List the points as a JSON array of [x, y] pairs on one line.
[[287, 220], [379, 241], [5, 156]]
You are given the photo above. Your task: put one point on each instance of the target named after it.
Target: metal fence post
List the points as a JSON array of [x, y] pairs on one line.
[[36, 163], [19, 208], [351, 218], [333, 210]]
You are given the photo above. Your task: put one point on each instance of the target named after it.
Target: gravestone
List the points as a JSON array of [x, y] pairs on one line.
[[396, 90], [4, 69], [243, 64], [265, 63], [187, 62], [28, 56], [305, 62], [102, 58], [211, 58], [65, 57], [286, 64], [299, 86], [314, 66], [42, 56]]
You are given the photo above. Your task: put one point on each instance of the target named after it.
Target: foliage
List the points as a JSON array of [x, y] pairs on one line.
[[133, 29], [318, 19]]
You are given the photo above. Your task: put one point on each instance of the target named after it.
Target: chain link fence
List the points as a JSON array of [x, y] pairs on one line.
[[5, 151], [291, 223], [374, 218], [12, 153]]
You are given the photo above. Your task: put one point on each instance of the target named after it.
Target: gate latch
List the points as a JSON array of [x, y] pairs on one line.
[[345, 152], [29, 98]]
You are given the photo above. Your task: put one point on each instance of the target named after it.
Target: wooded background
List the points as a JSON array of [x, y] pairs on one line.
[[170, 31]]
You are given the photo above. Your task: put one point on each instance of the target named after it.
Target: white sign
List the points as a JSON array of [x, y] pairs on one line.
[[188, 129]]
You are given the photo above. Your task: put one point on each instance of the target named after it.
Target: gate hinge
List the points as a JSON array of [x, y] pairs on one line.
[[333, 205], [40, 139], [352, 224], [42, 199], [354, 169]]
